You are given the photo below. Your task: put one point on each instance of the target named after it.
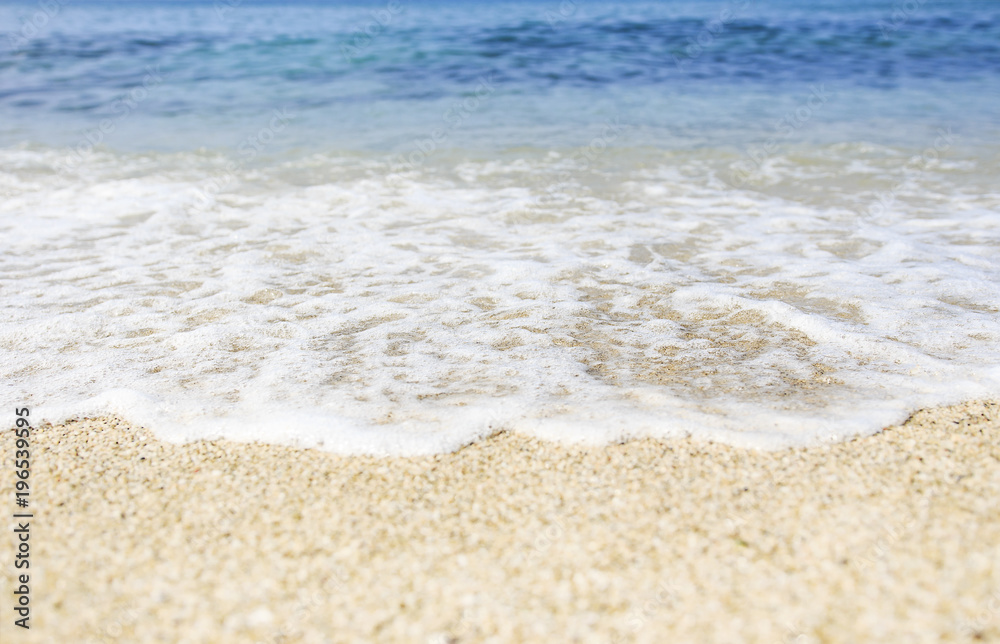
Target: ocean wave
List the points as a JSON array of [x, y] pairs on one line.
[[337, 300]]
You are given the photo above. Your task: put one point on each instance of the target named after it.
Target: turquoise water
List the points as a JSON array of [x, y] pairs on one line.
[[398, 227], [377, 76]]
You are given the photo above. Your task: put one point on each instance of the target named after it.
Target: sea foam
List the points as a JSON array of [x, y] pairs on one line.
[[338, 301]]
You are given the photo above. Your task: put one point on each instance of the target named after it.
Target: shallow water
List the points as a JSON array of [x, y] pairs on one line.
[[587, 221]]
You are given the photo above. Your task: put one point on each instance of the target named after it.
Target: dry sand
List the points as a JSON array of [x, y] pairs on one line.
[[892, 538]]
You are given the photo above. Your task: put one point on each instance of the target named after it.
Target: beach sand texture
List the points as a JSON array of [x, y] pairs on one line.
[[890, 538]]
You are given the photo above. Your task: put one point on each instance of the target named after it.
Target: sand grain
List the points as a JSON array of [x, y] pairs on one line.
[[892, 538]]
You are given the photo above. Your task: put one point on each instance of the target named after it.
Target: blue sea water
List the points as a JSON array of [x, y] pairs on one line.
[[374, 76], [400, 226]]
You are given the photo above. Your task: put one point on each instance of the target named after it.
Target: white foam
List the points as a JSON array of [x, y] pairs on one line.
[[324, 302]]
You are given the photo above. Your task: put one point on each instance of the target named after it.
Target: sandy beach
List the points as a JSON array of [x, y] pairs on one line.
[[549, 322], [891, 538]]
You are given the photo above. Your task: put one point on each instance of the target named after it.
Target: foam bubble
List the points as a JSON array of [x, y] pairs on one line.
[[327, 301]]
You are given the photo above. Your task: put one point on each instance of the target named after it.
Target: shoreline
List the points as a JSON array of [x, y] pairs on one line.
[[893, 537]]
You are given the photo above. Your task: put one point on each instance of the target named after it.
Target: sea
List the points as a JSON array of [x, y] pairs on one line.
[[399, 227]]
